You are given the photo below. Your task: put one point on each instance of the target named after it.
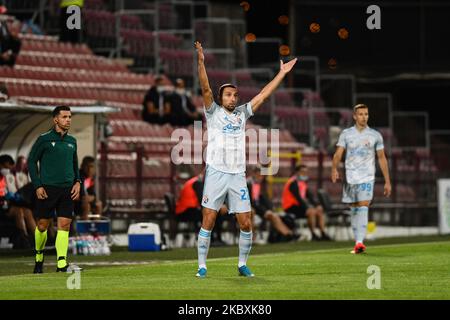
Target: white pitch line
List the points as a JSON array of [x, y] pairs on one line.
[[156, 262]]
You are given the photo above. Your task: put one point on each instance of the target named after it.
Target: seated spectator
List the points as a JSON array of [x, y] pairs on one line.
[[298, 200], [21, 171], [15, 206], [29, 27], [156, 104], [183, 111], [188, 208], [9, 42], [4, 95], [88, 203], [263, 207]]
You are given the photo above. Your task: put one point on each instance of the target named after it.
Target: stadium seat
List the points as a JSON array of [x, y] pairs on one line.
[[335, 217]]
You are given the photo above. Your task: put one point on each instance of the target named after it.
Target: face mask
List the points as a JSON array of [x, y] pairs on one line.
[[5, 172], [303, 178]]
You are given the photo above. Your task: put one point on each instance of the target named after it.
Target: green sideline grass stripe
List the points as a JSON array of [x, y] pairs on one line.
[[408, 271]]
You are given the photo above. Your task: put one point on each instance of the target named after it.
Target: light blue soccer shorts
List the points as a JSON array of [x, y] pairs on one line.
[[220, 186], [352, 193]]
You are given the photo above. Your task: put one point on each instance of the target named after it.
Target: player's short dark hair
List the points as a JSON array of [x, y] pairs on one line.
[[222, 88], [300, 167], [58, 109], [6, 159]]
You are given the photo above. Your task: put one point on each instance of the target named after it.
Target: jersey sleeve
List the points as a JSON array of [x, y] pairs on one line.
[[209, 112], [342, 141], [76, 171], [379, 144], [246, 109], [33, 158]]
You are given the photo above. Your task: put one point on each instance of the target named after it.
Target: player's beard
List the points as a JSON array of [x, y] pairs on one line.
[[230, 108]]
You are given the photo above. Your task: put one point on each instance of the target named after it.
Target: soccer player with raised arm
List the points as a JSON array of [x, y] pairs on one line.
[[225, 160], [360, 144]]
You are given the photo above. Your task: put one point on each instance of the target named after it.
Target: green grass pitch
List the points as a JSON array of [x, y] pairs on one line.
[[410, 268]]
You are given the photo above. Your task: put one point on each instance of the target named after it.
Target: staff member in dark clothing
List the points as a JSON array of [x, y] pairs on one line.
[[183, 111], [9, 43], [4, 95], [188, 208], [57, 184], [299, 200], [156, 104], [88, 203], [263, 207]]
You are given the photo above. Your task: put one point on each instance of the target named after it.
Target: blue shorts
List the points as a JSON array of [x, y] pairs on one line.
[[353, 193], [221, 187]]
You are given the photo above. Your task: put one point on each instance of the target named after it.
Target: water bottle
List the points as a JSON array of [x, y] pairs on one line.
[[90, 242], [79, 245], [73, 246], [85, 246], [106, 248]]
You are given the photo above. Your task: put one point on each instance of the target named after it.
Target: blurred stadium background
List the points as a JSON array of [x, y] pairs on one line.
[[401, 72]]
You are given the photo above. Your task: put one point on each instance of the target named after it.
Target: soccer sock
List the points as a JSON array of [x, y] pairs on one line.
[[245, 245], [363, 219], [204, 239], [40, 238], [62, 243], [354, 221]]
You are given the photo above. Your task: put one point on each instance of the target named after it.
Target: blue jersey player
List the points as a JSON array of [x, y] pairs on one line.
[[225, 160], [360, 143]]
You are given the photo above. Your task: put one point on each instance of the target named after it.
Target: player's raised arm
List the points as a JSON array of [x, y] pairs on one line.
[[265, 93], [336, 160], [203, 77]]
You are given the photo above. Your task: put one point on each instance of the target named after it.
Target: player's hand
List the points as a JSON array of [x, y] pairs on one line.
[[286, 67], [387, 189], [75, 193], [200, 55], [41, 194], [334, 175]]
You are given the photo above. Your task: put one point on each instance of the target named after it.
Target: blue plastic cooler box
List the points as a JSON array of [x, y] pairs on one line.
[[144, 236]]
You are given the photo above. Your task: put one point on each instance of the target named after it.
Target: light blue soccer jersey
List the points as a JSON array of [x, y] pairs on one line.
[[226, 137], [360, 153]]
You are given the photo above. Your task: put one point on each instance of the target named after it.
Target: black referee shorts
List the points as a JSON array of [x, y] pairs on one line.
[[59, 201]]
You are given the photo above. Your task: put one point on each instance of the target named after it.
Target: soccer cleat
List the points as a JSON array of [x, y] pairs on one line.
[[39, 267], [63, 269], [201, 273], [245, 271], [315, 237], [326, 237], [359, 248]]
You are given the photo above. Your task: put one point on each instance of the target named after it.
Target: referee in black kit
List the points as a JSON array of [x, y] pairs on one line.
[[57, 184]]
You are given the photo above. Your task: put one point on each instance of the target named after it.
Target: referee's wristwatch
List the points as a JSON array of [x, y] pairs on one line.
[[79, 181]]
